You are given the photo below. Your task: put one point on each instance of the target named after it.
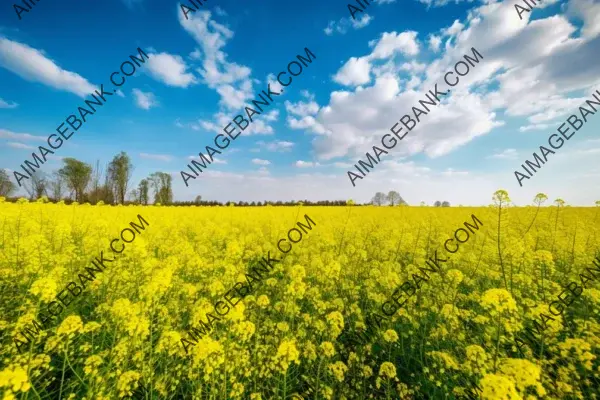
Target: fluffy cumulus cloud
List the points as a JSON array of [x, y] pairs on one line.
[[169, 69], [144, 100], [357, 70], [32, 65], [526, 74]]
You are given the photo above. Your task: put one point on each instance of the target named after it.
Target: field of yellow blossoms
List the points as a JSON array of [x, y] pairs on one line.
[[121, 337]]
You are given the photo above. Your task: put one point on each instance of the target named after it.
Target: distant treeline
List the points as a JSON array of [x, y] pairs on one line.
[[220, 204]]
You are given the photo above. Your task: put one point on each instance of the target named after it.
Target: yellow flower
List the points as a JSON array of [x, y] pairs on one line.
[[128, 383], [387, 370], [46, 288], [338, 369], [263, 300], [70, 325], [15, 379], [286, 354], [328, 349], [390, 336], [91, 365], [335, 321], [498, 301], [283, 326], [497, 387]]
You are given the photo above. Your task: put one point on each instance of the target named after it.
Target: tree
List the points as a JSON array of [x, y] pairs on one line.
[[56, 186], [6, 185], [162, 185], [77, 175], [394, 198], [96, 191], [379, 199], [36, 186], [143, 189], [445, 204], [437, 204], [198, 199], [119, 172]]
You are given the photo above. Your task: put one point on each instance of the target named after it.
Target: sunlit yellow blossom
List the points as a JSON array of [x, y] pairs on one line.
[[390, 336], [387, 370], [327, 348], [70, 325], [497, 387], [338, 369]]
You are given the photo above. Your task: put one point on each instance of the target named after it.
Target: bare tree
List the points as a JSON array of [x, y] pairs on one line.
[[394, 198], [56, 186], [198, 199], [379, 199], [119, 172], [36, 186], [77, 174], [6, 185], [143, 189], [162, 185], [95, 193]]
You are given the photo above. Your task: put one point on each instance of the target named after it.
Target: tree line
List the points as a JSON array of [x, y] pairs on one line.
[[84, 183], [79, 181]]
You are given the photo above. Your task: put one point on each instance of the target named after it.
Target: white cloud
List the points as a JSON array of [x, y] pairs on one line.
[[258, 161], [357, 71], [435, 43], [6, 134], [144, 100], [440, 3], [589, 11], [306, 164], [227, 78], [526, 71], [392, 43], [16, 145], [510, 154], [345, 23], [32, 65], [4, 104], [301, 108], [169, 69], [214, 161], [276, 146], [157, 157]]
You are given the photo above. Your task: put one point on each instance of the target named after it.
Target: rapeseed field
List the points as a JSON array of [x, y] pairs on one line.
[[122, 336]]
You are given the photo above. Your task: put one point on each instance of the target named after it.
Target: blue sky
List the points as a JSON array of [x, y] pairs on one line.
[[367, 74]]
